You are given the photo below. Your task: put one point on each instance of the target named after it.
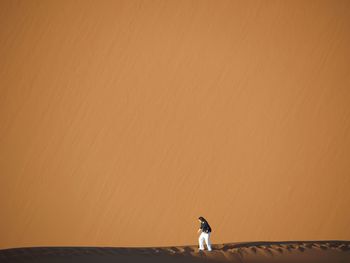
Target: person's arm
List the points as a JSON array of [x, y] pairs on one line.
[[200, 228]]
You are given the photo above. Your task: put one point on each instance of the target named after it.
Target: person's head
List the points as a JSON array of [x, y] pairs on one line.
[[201, 219]]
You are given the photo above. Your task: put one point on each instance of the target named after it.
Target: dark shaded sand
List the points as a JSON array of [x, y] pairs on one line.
[[290, 251]]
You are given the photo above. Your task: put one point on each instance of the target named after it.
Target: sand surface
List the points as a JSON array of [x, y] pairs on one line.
[[121, 122], [310, 251]]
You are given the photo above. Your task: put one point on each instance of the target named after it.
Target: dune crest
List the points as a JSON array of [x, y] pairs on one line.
[[289, 251]]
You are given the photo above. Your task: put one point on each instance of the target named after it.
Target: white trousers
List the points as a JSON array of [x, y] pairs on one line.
[[204, 237]]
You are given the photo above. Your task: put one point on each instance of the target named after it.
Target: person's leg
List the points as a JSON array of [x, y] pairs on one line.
[[207, 241], [201, 241]]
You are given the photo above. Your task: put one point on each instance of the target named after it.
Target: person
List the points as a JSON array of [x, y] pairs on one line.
[[205, 230]]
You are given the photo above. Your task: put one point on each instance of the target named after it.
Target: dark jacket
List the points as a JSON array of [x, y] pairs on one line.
[[205, 227]]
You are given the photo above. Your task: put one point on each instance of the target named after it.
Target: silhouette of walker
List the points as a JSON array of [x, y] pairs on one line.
[[205, 234]]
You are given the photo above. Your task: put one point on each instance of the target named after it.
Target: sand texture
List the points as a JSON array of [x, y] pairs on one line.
[[310, 251], [122, 122]]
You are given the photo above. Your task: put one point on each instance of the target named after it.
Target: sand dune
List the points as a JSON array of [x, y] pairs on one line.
[[122, 121], [310, 251]]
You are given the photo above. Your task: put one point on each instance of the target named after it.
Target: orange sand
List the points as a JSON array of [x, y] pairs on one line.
[[121, 122]]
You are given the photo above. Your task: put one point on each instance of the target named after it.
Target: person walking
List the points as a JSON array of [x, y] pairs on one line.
[[205, 230]]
